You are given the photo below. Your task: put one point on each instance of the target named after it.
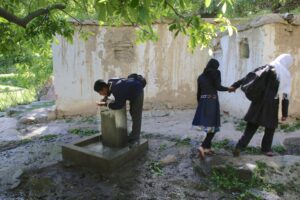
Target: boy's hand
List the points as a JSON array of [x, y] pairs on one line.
[[101, 103], [231, 89]]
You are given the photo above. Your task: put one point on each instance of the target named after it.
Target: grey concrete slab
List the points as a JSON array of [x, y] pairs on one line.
[[90, 152]]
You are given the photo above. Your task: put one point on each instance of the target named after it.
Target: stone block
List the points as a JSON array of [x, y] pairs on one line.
[[114, 127], [292, 145], [90, 152]]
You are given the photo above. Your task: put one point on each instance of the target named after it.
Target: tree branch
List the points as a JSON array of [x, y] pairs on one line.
[[174, 10], [24, 21]]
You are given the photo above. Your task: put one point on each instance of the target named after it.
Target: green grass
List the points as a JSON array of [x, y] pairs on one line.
[[12, 96], [253, 150], [230, 180], [279, 149], [225, 144], [162, 147], [240, 125], [89, 119], [295, 11], [257, 151], [10, 80], [83, 132], [49, 137], [222, 144], [26, 141], [155, 168], [183, 142], [290, 127]]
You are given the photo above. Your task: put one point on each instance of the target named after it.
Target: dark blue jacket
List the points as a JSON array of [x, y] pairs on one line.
[[123, 89], [209, 83]]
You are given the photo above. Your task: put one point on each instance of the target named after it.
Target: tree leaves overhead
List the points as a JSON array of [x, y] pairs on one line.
[[183, 16], [207, 3]]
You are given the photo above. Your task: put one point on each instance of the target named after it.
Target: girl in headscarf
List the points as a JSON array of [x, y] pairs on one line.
[[207, 115], [277, 81]]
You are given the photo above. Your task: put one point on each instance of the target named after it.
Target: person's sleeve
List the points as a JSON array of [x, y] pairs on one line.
[[119, 103], [285, 105], [198, 90], [238, 83], [217, 81]]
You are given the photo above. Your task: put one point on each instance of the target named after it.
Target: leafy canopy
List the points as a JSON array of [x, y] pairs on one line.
[[183, 16]]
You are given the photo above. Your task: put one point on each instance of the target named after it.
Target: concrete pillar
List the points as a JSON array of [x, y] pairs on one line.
[[114, 128]]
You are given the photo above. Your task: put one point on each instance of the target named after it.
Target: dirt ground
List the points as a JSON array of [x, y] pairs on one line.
[[31, 167]]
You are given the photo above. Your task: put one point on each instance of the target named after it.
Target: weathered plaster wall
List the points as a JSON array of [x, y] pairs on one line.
[[169, 67], [171, 70], [265, 43]]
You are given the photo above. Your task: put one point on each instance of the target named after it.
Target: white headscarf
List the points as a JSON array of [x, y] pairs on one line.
[[282, 64]]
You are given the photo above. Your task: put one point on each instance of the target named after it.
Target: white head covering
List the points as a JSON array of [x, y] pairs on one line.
[[282, 64]]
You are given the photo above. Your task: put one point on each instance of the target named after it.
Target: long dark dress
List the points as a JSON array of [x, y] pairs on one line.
[[265, 112], [208, 111]]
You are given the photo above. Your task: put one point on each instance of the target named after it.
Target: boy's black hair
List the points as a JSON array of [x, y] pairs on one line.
[[99, 85]]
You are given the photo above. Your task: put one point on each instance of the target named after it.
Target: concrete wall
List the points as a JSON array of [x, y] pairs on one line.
[[171, 70], [265, 43], [169, 67]]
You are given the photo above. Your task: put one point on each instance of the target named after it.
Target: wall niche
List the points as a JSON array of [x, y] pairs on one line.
[[244, 48]]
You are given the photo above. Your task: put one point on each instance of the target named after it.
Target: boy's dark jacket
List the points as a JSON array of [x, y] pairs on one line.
[[123, 89]]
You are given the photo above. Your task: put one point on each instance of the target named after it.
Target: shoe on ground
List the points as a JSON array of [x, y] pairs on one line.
[[268, 153]]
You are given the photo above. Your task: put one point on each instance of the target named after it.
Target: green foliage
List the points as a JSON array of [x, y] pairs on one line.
[[230, 180], [223, 144], [245, 8], [10, 97], [253, 150], [240, 125], [290, 127], [49, 137], [183, 142], [184, 16], [279, 149], [83, 132], [256, 150], [155, 168], [89, 119], [25, 141], [162, 147]]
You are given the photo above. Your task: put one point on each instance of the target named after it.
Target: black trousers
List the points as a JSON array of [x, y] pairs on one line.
[[266, 142], [206, 144], [136, 109]]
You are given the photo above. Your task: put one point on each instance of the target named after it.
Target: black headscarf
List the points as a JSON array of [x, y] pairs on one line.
[[212, 65]]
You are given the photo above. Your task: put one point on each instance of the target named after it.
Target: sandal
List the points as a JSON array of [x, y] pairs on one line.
[[201, 152]]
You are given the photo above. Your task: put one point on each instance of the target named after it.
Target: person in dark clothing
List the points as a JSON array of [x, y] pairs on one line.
[[124, 89], [264, 112], [207, 115]]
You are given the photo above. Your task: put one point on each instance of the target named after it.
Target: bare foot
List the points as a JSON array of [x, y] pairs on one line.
[[209, 151], [201, 152]]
